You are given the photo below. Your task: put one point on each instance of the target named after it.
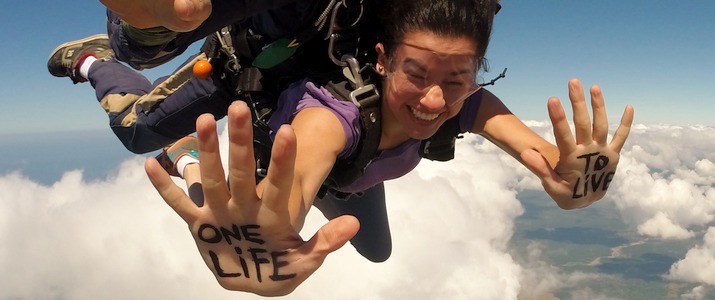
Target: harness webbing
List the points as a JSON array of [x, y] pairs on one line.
[[234, 48], [440, 146], [348, 171]]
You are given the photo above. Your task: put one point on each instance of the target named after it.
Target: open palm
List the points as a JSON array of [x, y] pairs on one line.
[[243, 233], [587, 163]]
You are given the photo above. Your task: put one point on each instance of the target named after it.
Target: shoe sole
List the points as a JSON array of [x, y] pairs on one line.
[[183, 141], [87, 39]]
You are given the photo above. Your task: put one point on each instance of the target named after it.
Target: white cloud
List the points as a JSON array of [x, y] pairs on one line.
[[664, 146], [699, 263], [588, 293], [451, 226], [660, 225], [697, 293], [451, 222], [667, 190], [80, 239], [665, 181], [94, 240], [540, 279]]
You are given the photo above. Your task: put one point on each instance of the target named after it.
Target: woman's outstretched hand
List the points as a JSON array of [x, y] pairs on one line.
[[244, 234], [587, 162]]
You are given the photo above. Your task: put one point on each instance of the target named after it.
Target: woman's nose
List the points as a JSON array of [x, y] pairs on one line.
[[433, 99]]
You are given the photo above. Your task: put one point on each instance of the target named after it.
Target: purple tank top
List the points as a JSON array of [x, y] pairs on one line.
[[387, 164]]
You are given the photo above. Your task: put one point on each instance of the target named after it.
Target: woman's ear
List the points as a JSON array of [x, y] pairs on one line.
[[381, 58]]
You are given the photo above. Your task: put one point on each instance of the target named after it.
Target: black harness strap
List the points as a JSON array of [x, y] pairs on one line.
[[348, 171], [248, 83], [440, 146]]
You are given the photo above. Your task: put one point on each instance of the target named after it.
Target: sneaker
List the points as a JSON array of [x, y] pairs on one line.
[[66, 58], [170, 155]]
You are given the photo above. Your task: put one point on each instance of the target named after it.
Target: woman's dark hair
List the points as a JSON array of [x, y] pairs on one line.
[[453, 18]]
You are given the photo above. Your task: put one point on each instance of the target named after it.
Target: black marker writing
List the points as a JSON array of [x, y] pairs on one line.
[[260, 256], [595, 178], [258, 260], [277, 264], [217, 266], [241, 260]]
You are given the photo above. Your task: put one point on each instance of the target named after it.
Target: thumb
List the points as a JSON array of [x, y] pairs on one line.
[[332, 235], [537, 164]]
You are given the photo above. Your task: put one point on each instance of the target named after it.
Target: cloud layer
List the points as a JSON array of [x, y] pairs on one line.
[[452, 224], [667, 181]]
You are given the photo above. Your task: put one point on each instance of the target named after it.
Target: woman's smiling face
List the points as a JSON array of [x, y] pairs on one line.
[[428, 79]]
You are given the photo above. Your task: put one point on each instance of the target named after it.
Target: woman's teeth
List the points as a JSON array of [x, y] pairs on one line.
[[423, 116]]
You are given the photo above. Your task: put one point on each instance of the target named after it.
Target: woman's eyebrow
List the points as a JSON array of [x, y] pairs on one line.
[[415, 63], [461, 72]]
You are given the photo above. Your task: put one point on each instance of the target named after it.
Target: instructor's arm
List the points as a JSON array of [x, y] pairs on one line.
[[176, 15]]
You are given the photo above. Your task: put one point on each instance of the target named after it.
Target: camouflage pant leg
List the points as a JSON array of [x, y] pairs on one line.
[[141, 48], [146, 117], [147, 48]]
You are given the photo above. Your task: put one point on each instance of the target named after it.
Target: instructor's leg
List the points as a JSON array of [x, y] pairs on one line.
[[373, 240], [148, 48], [148, 117]]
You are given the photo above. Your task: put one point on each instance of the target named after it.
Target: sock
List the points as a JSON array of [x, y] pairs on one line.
[[84, 66], [183, 162]]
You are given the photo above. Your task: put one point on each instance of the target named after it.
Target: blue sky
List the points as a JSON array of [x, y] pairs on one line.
[[655, 55]]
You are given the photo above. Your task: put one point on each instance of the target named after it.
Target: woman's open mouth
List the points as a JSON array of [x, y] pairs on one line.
[[423, 116]]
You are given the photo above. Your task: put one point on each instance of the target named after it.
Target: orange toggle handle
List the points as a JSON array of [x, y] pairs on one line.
[[202, 69]]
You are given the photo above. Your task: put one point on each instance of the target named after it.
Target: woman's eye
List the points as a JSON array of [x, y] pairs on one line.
[[417, 76], [455, 85]]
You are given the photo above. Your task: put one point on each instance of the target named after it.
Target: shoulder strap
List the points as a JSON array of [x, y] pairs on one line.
[[246, 80], [368, 101]]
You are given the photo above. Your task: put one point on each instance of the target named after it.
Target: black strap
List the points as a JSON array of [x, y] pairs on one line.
[[440, 146], [348, 171]]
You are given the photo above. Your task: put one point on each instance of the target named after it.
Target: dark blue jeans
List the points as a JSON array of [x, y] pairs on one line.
[[146, 116], [373, 240]]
